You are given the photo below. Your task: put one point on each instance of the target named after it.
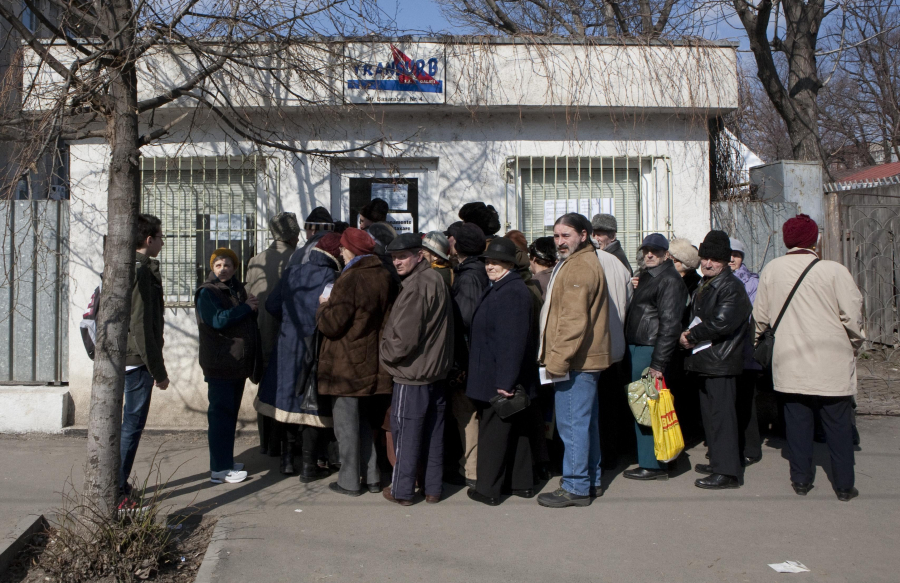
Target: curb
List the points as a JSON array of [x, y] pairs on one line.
[[21, 536], [207, 571]]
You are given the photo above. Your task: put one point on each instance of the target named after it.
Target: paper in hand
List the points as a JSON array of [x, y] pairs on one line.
[[703, 345], [546, 380]]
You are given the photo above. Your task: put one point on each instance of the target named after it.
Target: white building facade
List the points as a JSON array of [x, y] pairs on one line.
[[535, 131]]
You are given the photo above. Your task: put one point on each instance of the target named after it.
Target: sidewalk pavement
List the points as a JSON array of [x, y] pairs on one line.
[[654, 531]]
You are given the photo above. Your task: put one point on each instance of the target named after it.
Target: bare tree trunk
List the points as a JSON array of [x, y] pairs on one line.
[[123, 196]]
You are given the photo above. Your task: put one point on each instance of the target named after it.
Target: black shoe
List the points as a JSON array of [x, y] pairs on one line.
[[312, 472], [542, 473], [705, 469], [749, 461], [287, 462], [801, 488], [718, 482], [474, 495], [374, 488], [562, 498], [470, 483], [335, 487], [454, 478], [846, 494], [527, 493], [595, 493], [707, 455], [645, 474]]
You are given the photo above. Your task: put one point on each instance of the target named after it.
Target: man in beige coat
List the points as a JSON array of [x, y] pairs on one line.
[[263, 274], [575, 347], [814, 361]]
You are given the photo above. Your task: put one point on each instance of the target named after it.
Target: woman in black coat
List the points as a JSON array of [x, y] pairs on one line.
[[502, 359]]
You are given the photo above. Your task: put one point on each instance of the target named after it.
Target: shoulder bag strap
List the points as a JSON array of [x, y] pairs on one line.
[[793, 291]]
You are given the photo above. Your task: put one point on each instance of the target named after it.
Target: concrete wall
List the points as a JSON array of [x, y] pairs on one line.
[[467, 155]]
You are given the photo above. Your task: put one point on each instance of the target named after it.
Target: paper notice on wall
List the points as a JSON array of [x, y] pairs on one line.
[[606, 206], [560, 208], [549, 213], [227, 228], [396, 195], [402, 222]]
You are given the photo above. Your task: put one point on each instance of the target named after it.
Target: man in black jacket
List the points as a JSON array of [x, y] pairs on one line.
[[144, 363], [652, 327], [468, 286], [719, 319]]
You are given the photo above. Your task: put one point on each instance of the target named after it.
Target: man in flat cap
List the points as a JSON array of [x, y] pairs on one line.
[[605, 227], [417, 350], [263, 274]]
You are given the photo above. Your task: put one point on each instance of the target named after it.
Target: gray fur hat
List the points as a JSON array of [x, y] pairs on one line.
[[604, 222], [284, 226]]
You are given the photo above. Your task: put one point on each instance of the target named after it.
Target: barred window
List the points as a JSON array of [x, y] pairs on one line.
[[203, 203], [634, 190]]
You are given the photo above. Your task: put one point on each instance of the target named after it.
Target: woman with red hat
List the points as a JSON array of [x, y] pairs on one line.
[[351, 320], [814, 358]]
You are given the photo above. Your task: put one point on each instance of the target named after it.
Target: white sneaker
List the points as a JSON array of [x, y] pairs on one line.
[[230, 476], [238, 466]]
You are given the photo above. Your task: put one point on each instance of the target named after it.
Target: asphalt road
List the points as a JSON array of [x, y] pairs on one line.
[[657, 531]]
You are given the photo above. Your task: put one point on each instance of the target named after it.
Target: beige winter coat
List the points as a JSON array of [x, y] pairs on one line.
[[263, 274], [817, 340]]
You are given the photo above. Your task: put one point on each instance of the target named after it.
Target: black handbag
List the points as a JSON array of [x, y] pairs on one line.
[[765, 342], [508, 406]]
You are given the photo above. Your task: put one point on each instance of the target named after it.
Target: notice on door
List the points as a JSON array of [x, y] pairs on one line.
[[396, 195], [402, 222]]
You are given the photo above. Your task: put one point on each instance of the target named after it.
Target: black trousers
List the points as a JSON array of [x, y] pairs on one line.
[[836, 415], [749, 440], [504, 452], [718, 397]]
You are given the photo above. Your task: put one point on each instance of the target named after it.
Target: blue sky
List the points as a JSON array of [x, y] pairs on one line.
[[415, 15]]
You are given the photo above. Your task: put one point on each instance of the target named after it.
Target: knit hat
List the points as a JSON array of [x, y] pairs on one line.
[[470, 240], [357, 242], [437, 243], [800, 232], [683, 251], [485, 216], [604, 222], [284, 226], [453, 229], [716, 245], [657, 240], [404, 242], [737, 246], [319, 220], [331, 244], [376, 210], [224, 252]]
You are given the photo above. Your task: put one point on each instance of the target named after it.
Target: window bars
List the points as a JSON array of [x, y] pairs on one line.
[[205, 203], [636, 190]]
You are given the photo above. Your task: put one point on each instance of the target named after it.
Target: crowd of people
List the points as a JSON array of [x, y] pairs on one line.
[[376, 351]]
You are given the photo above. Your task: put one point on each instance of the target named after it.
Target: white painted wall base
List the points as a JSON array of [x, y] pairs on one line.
[[30, 409]]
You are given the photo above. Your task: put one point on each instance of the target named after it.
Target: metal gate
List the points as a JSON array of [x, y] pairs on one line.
[[757, 224], [34, 291]]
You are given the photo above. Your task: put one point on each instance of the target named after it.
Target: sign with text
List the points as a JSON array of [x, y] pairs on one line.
[[395, 73], [402, 222]]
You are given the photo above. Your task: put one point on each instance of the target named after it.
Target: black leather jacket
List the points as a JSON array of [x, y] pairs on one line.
[[654, 315], [724, 308]]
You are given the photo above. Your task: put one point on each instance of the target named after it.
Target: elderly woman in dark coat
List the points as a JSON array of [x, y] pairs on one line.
[[230, 353], [502, 359], [295, 302], [351, 321]]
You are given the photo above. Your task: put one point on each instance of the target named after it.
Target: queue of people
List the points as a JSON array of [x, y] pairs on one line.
[[365, 343]]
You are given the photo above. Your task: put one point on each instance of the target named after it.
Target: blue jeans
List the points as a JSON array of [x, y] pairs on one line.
[[138, 390], [578, 421]]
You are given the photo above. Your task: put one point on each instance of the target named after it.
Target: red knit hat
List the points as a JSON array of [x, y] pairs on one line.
[[357, 242], [800, 232], [331, 244]]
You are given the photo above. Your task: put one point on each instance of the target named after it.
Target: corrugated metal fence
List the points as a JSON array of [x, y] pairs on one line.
[[757, 224], [34, 291]]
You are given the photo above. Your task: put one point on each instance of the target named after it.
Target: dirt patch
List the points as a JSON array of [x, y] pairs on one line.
[[185, 549]]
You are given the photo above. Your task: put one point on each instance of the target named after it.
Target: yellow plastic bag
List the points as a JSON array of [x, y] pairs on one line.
[[668, 442]]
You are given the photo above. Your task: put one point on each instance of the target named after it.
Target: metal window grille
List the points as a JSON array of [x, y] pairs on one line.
[[205, 203], [636, 190]]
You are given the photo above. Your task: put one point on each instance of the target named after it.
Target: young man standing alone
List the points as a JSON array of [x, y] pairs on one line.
[[144, 363]]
